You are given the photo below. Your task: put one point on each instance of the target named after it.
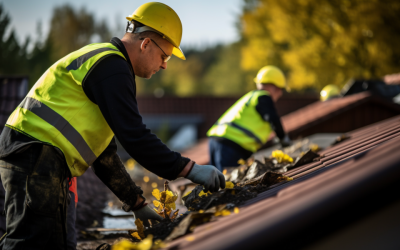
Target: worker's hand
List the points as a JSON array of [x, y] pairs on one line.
[[285, 142], [146, 213], [208, 176]]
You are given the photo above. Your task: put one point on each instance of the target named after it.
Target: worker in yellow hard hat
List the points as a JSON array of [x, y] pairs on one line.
[[69, 121], [328, 92], [247, 125]]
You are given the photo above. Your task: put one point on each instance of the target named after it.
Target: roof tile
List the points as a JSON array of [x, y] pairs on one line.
[[354, 168]]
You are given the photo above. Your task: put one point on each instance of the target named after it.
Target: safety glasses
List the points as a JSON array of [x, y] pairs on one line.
[[167, 57]]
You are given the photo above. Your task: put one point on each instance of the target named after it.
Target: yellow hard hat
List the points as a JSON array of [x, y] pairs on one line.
[[271, 74], [329, 91], [162, 19]]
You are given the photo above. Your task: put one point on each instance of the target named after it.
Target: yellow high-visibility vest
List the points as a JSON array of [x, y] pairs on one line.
[[56, 110], [242, 123]]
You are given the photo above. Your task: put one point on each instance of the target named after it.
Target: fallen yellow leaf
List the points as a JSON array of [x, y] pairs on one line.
[[156, 203], [229, 184], [156, 193], [190, 238], [281, 157], [160, 208], [145, 244], [314, 147], [241, 162], [224, 212], [187, 193], [136, 235], [170, 197], [175, 214], [140, 228], [202, 193], [157, 244], [170, 205], [168, 211]]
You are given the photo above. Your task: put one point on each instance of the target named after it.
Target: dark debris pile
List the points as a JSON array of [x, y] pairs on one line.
[[163, 229], [249, 180], [235, 196]]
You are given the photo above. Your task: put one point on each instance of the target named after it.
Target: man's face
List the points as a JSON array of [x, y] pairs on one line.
[[153, 56], [273, 90], [277, 93]]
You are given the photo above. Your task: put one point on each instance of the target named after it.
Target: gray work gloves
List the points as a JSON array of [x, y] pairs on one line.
[[146, 213], [208, 176], [285, 142]]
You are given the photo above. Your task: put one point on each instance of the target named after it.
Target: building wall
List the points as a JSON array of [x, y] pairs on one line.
[[211, 108]]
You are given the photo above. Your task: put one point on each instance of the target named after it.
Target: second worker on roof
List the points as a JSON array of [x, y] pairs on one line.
[[247, 125]]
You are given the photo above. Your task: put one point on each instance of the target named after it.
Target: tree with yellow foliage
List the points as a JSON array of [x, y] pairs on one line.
[[322, 42]]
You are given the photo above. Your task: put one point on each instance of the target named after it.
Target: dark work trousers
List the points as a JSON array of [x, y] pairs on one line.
[[224, 154], [36, 201], [71, 218]]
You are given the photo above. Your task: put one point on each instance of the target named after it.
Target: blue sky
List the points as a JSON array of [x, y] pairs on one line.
[[205, 22]]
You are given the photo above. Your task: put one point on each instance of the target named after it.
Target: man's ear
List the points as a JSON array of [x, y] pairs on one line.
[[144, 45]]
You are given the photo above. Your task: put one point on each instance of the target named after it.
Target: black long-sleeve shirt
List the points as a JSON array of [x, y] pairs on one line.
[[266, 109], [111, 85]]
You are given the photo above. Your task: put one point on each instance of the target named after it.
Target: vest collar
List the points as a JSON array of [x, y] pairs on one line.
[[120, 46]]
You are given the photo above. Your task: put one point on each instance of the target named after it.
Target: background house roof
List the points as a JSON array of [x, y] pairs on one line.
[[338, 115]]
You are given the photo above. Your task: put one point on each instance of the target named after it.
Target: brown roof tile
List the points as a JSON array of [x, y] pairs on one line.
[[349, 172], [320, 111]]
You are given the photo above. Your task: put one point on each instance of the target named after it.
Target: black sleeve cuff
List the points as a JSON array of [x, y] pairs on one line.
[[179, 166]]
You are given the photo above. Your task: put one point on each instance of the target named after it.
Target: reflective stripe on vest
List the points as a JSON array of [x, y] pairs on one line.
[[244, 130], [57, 111], [57, 121], [251, 97], [242, 123], [77, 63]]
